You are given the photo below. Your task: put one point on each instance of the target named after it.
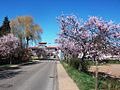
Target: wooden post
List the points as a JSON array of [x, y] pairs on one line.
[[96, 75]]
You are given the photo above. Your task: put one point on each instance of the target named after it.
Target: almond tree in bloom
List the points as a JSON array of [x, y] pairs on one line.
[[104, 39], [73, 38], [95, 37], [68, 48], [8, 46]]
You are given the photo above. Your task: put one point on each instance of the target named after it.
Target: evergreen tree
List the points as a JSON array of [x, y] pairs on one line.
[[5, 28]]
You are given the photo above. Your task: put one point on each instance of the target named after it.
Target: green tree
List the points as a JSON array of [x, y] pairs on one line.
[[5, 28]]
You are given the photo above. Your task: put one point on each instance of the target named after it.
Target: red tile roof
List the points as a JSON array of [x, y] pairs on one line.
[[52, 47], [43, 43], [33, 47]]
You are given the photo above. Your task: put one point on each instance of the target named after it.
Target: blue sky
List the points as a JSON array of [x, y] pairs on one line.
[[45, 12]]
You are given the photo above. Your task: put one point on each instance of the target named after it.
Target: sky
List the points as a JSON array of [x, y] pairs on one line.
[[44, 12]]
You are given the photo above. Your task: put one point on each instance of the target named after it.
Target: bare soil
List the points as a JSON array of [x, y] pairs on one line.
[[111, 69]]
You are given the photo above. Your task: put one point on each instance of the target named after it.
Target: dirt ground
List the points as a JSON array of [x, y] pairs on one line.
[[112, 69]]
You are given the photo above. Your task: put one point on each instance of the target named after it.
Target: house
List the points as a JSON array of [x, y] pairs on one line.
[[33, 49], [42, 44], [52, 52]]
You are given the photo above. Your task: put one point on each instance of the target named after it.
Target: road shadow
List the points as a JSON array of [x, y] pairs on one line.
[[8, 74], [31, 63], [18, 66], [50, 59], [9, 68]]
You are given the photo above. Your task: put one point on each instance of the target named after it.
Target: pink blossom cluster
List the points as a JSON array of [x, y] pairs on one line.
[[94, 37], [8, 45]]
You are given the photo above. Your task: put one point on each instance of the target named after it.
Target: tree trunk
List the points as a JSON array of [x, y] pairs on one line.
[[81, 63], [27, 42], [10, 60], [96, 75], [21, 44]]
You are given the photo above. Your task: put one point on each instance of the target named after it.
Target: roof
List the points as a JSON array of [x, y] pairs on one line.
[[33, 47], [52, 47], [42, 42]]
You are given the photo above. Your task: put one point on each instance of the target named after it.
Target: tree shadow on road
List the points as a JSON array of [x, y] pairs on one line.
[[8, 74], [30, 63]]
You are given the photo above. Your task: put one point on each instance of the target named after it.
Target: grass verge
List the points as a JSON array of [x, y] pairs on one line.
[[83, 80], [86, 81]]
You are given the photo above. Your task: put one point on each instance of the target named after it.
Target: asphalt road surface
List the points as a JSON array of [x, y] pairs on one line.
[[40, 76]]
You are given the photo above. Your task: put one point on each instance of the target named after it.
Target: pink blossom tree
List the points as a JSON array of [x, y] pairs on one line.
[[74, 37], [69, 48], [104, 39], [95, 37], [8, 46], [102, 34]]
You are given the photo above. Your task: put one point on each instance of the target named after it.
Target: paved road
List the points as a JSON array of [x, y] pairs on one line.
[[40, 76]]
